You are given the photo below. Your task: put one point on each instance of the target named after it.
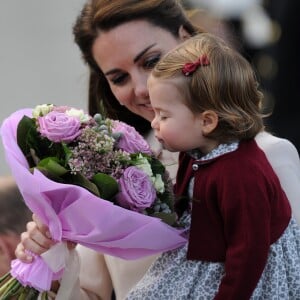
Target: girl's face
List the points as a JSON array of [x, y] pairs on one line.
[[126, 55], [175, 125]]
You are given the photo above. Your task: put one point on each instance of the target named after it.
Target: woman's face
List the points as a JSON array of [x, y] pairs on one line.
[[126, 54]]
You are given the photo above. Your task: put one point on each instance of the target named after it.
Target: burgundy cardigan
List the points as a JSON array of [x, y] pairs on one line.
[[238, 211]]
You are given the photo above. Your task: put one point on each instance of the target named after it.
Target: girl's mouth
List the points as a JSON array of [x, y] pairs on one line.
[[160, 140]]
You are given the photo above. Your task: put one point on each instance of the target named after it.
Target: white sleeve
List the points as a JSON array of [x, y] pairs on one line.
[[284, 159], [94, 279]]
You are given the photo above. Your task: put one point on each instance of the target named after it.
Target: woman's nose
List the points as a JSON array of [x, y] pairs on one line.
[[140, 88]]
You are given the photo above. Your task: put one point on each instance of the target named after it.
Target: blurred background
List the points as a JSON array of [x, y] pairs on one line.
[[267, 33], [39, 62]]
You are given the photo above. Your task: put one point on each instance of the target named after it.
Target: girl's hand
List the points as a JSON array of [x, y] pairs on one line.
[[36, 239]]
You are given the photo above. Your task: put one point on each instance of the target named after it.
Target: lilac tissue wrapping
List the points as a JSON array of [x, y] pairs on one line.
[[73, 213]]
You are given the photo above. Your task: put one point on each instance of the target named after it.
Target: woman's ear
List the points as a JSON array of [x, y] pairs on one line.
[[209, 121], [183, 34]]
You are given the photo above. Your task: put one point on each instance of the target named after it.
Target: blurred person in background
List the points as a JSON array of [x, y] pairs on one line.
[[267, 33], [278, 64], [14, 215]]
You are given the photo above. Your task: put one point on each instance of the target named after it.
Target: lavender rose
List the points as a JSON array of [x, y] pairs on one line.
[[137, 191], [130, 141], [59, 127]]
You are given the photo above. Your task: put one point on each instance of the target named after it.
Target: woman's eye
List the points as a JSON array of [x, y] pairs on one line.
[[151, 62], [117, 80]]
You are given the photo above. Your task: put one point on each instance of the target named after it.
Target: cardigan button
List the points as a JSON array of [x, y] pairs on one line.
[[195, 167]]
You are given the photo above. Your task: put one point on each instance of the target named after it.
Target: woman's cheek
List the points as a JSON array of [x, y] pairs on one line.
[[123, 95]]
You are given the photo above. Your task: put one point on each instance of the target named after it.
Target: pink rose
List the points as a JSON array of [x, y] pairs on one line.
[[137, 191], [130, 141], [59, 127]]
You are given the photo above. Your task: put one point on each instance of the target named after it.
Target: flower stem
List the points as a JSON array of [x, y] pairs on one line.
[[9, 288], [6, 285], [5, 277]]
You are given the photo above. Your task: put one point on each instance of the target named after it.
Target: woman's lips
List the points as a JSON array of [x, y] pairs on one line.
[[147, 106]]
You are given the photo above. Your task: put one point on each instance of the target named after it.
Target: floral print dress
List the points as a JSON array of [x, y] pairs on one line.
[[173, 277]]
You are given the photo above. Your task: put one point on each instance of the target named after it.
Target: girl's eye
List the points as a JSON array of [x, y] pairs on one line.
[[151, 62], [120, 79], [162, 118]]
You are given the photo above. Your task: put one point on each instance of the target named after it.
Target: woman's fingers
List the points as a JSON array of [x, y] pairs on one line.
[[35, 239], [41, 227], [22, 255]]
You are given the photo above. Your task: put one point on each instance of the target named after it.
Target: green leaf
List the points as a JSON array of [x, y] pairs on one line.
[[67, 151], [53, 166], [26, 134], [157, 166], [169, 218], [107, 185], [80, 180]]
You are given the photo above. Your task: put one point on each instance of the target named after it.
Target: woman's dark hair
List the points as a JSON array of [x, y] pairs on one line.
[[107, 14]]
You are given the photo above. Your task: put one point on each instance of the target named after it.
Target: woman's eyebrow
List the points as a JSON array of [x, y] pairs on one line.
[[134, 60], [142, 53]]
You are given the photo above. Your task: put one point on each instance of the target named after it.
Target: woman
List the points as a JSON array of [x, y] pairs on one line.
[[121, 41]]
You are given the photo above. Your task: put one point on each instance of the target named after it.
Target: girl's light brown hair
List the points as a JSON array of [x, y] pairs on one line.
[[227, 85]]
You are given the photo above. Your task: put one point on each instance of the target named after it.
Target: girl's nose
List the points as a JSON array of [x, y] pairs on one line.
[[154, 123]]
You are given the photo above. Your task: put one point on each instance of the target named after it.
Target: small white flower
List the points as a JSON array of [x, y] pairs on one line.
[[158, 183], [143, 164], [42, 110], [78, 113]]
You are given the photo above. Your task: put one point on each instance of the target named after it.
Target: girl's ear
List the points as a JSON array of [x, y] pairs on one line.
[[183, 34], [209, 121]]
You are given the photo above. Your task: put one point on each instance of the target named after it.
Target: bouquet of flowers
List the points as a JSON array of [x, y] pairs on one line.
[[91, 180]]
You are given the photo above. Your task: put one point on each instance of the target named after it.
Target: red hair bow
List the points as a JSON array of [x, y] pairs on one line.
[[190, 68]]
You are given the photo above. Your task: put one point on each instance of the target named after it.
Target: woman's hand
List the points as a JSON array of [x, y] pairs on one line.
[[36, 239]]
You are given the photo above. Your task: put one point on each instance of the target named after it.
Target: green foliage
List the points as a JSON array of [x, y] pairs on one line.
[[78, 179], [53, 166], [169, 218], [157, 166], [107, 185]]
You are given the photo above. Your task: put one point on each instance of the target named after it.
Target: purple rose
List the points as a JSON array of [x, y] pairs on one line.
[[59, 127], [137, 191], [130, 141]]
